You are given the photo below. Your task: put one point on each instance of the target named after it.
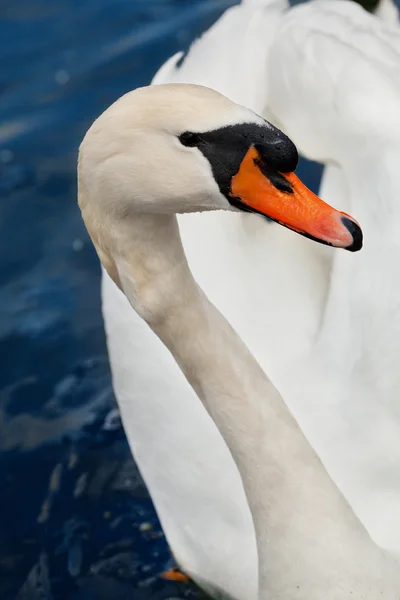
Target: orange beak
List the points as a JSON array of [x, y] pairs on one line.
[[298, 209]]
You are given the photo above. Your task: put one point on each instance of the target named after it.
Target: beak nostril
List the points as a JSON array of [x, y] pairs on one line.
[[355, 230]]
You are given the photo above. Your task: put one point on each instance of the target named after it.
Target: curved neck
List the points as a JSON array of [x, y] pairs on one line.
[[309, 541]]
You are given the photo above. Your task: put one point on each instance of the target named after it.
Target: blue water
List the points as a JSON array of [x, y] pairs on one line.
[[76, 521]]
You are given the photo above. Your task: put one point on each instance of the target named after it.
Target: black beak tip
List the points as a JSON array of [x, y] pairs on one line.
[[356, 234]]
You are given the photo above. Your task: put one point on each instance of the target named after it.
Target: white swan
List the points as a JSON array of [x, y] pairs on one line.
[[178, 148], [351, 412], [192, 478], [190, 473]]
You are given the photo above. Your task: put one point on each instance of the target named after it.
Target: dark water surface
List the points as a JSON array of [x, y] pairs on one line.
[[76, 521]]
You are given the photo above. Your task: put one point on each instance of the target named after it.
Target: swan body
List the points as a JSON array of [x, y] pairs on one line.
[[309, 542], [351, 411]]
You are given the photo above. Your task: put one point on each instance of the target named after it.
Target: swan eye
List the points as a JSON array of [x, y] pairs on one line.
[[189, 139]]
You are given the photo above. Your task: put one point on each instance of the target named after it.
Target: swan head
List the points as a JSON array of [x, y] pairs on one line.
[[177, 148]]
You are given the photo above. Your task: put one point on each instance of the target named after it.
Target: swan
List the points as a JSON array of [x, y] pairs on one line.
[[190, 473], [351, 413], [179, 148]]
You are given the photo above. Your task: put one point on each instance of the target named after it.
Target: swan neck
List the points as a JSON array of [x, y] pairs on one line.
[[291, 498]]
